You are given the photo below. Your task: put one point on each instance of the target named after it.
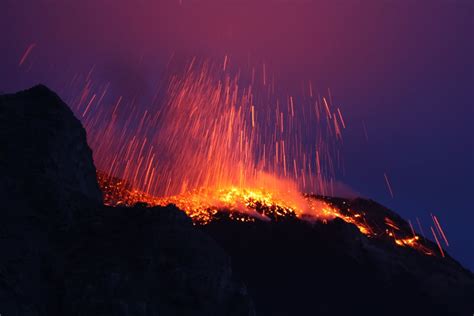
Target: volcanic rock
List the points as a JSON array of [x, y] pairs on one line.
[[45, 162], [148, 261], [295, 268], [47, 183], [64, 253]]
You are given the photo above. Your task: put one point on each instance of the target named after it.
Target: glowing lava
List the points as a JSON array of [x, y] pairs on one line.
[[207, 129], [250, 204], [208, 143]]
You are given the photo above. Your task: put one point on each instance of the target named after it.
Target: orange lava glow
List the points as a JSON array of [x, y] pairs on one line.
[[250, 204], [206, 129], [245, 204], [207, 143]]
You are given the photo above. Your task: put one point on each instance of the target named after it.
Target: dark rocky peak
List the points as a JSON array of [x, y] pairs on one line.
[[64, 253], [45, 162]]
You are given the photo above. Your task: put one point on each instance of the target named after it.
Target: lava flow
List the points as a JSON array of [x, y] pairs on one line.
[[212, 146], [248, 205]]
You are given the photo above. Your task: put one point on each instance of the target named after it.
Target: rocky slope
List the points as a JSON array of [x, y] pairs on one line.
[[64, 253], [293, 268]]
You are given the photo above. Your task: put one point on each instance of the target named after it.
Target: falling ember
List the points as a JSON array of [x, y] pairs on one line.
[[411, 228], [437, 242], [420, 226], [210, 143], [365, 132], [389, 187], [225, 63], [341, 118], [26, 54], [439, 229]]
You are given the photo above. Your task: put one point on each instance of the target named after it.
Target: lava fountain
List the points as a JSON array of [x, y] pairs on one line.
[[215, 140], [210, 136]]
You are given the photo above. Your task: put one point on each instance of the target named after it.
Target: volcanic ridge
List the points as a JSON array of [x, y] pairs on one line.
[[76, 241]]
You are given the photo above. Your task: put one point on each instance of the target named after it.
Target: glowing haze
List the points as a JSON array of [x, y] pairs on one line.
[[210, 144], [400, 71], [206, 130]]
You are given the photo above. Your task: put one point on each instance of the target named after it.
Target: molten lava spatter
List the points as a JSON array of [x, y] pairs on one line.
[[202, 206], [249, 205], [217, 142], [210, 127]]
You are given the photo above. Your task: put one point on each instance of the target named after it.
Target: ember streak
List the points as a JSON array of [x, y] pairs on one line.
[[215, 147], [205, 128]]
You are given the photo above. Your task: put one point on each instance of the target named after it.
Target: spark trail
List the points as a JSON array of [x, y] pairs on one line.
[[216, 139]]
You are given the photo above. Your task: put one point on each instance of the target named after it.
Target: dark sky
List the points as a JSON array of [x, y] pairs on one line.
[[404, 68]]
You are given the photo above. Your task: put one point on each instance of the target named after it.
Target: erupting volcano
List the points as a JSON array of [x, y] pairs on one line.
[[210, 144], [204, 130], [237, 158]]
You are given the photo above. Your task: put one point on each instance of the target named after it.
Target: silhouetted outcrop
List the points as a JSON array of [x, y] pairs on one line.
[[47, 184], [64, 253], [148, 261], [45, 161], [295, 268]]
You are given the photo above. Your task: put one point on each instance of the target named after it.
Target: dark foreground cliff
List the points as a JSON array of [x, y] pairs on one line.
[[64, 253]]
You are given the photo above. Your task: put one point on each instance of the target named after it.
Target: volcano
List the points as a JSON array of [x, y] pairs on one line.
[[77, 241]]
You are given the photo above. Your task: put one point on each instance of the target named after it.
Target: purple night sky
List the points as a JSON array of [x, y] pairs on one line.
[[405, 69]]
